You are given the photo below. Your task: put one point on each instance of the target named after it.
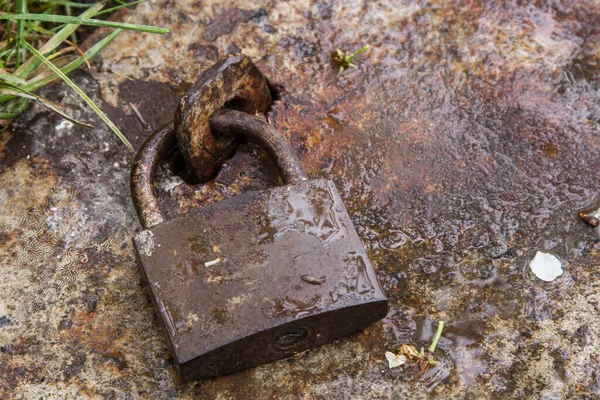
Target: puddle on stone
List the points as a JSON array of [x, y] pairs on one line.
[[438, 373]]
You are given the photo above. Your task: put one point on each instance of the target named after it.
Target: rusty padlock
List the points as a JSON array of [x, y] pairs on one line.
[[257, 277]]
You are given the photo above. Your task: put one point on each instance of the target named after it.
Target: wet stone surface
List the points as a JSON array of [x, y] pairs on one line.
[[465, 141]]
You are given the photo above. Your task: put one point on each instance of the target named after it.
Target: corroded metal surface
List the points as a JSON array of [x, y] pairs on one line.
[[465, 141]]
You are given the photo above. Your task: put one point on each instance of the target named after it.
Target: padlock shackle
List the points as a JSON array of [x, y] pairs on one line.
[[161, 142], [143, 171], [262, 133]]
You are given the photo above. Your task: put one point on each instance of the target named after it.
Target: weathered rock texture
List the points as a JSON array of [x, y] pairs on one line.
[[466, 140]]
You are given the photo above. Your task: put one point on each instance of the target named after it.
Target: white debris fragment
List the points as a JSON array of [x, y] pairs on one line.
[[213, 262], [546, 266], [395, 360]]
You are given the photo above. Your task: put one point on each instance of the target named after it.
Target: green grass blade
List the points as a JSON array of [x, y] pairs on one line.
[[8, 26], [14, 108], [22, 10], [12, 79], [112, 9], [62, 113], [39, 29], [53, 8], [84, 96], [66, 3], [84, 21], [18, 91], [69, 12], [30, 96]]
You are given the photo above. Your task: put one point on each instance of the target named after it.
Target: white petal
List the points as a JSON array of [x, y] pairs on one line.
[[546, 266], [394, 360]]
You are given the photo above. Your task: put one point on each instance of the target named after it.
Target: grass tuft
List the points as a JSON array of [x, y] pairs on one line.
[[38, 46]]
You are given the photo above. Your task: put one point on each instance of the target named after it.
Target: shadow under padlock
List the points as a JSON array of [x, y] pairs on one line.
[[257, 277]]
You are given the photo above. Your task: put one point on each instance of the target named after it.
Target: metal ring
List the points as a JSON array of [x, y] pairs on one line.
[[233, 81], [231, 121]]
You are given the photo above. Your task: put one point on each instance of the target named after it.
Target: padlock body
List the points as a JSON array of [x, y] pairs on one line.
[[258, 277]]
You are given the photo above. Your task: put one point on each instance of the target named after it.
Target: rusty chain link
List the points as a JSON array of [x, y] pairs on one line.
[[234, 82]]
